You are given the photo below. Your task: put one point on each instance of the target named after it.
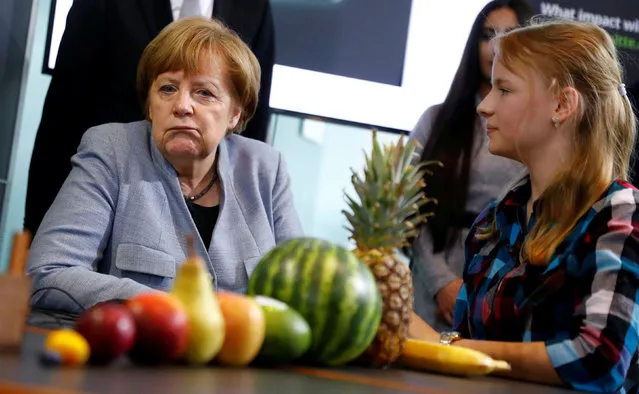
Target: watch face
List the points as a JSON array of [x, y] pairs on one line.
[[448, 337]]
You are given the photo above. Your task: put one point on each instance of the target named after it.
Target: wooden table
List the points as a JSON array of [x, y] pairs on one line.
[[23, 373]]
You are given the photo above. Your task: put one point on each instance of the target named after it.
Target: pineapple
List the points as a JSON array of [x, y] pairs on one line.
[[386, 215]]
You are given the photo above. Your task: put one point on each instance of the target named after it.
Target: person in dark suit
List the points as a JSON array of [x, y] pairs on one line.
[[94, 78]]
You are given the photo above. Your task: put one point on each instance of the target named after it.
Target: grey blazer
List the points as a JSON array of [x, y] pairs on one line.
[[118, 226]]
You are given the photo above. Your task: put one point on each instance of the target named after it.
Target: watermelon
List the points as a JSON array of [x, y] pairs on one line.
[[331, 288]]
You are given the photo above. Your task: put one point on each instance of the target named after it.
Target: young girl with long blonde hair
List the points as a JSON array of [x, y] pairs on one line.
[[551, 277]]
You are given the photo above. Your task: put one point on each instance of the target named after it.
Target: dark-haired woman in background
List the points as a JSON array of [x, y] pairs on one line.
[[471, 177]]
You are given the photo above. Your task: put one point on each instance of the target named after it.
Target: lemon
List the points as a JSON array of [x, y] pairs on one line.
[[70, 345]]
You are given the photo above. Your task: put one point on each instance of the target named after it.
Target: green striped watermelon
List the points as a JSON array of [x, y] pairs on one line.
[[331, 288]]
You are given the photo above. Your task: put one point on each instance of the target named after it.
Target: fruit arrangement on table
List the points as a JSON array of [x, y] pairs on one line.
[[308, 302]]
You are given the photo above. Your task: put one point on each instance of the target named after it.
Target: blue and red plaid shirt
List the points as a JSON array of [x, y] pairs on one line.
[[584, 305]]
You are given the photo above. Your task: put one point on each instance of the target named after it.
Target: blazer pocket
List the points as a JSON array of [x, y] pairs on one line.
[[145, 265]]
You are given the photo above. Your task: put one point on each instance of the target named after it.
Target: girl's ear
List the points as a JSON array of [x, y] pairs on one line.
[[567, 105]]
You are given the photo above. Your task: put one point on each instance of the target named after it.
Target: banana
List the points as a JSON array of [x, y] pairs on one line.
[[453, 360]]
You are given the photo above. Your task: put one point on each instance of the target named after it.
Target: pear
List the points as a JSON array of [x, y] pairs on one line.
[[194, 289]]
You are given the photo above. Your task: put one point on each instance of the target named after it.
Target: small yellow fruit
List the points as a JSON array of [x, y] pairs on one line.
[[70, 345]]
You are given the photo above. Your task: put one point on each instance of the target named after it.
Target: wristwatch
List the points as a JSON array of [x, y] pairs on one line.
[[448, 337]]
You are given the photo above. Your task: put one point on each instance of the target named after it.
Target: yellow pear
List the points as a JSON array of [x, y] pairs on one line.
[[194, 289]]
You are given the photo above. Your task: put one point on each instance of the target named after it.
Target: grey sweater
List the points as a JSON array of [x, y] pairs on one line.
[[489, 176]]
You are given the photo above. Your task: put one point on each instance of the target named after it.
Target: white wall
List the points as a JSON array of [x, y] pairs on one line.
[[320, 157]]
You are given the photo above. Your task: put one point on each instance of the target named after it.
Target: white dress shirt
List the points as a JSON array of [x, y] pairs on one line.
[[206, 7]]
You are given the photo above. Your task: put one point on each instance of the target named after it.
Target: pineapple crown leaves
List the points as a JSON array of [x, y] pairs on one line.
[[389, 196]]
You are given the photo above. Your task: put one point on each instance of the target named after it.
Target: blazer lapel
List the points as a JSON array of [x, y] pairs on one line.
[[157, 14], [233, 242]]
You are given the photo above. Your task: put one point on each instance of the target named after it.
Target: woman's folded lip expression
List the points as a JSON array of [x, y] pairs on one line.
[[183, 129], [184, 133]]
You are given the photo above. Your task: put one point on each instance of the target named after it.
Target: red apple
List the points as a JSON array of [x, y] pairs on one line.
[[161, 325], [109, 329]]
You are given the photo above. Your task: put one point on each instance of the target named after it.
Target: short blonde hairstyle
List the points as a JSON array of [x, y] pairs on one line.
[[181, 45]]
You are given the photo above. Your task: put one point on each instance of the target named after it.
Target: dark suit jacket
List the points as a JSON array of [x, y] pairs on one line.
[[94, 79]]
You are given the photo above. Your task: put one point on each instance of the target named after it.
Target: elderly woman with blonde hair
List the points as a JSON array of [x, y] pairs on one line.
[[119, 225]]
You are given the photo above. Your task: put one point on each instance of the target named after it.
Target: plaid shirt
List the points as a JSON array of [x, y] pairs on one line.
[[584, 305]]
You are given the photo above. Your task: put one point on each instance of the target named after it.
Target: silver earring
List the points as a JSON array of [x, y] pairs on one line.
[[555, 120]]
